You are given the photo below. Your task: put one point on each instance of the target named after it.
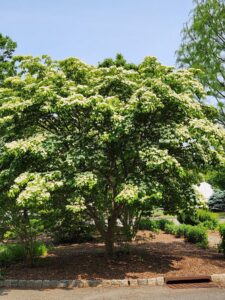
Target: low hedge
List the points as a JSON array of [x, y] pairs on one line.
[[154, 225], [163, 222], [197, 235], [201, 216], [182, 230], [193, 234], [147, 224], [170, 228], [208, 219]]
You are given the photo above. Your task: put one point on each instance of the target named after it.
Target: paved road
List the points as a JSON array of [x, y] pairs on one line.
[[126, 293]]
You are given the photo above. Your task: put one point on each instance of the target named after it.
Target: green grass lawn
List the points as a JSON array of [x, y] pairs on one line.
[[220, 214]]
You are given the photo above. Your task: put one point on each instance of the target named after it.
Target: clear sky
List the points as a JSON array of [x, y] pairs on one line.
[[94, 29]]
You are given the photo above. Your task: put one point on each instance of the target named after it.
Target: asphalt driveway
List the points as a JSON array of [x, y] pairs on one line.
[[126, 293]]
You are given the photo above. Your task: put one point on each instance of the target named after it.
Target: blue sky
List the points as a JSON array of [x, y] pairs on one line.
[[94, 29]]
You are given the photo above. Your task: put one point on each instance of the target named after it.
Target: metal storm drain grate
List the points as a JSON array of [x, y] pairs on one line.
[[189, 282]]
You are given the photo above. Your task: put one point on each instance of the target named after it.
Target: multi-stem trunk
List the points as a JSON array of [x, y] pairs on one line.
[[109, 243], [107, 229]]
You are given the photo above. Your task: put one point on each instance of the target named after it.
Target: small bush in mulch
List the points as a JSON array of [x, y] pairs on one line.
[[208, 219], [193, 234], [12, 253], [147, 224], [222, 234], [182, 230], [197, 235], [163, 222], [170, 228], [154, 225]]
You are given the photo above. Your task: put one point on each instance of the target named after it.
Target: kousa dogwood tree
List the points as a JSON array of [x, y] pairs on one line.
[[113, 141]]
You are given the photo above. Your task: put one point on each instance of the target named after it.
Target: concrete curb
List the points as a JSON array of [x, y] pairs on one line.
[[218, 278], [50, 284], [69, 284]]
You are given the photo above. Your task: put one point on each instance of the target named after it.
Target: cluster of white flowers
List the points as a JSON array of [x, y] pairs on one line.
[[34, 188], [34, 144], [85, 180], [156, 158], [128, 194]]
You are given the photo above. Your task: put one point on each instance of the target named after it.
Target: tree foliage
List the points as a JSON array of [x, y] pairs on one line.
[[7, 47], [203, 47], [216, 178], [108, 142]]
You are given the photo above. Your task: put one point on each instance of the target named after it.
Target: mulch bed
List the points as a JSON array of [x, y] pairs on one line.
[[162, 255]]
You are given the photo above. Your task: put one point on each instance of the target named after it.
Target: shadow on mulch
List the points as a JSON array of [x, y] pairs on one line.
[[163, 255]]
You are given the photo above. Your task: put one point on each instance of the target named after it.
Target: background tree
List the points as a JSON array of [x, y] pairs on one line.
[[107, 140], [217, 201], [119, 61], [203, 47], [7, 47]]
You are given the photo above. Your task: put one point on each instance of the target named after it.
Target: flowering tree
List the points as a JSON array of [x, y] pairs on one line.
[[113, 141]]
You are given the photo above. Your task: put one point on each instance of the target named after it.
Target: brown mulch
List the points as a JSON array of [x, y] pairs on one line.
[[149, 257], [214, 238]]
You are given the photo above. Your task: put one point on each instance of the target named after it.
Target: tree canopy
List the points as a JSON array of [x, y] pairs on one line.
[[113, 142], [203, 47]]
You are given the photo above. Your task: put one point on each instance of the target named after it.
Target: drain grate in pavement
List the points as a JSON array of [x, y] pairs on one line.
[[189, 282]]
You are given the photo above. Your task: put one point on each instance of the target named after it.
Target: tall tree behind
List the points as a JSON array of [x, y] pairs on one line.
[[7, 47], [203, 47]]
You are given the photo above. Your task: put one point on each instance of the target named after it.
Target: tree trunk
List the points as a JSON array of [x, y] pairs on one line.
[[109, 246], [110, 236]]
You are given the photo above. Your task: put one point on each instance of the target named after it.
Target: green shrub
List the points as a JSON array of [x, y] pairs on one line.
[[197, 235], [146, 224], [40, 249], [201, 216], [162, 223], [186, 218], [222, 234], [208, 219], [12, 253], [72, 230], [154, 225], [182, 230], [171, 228]]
